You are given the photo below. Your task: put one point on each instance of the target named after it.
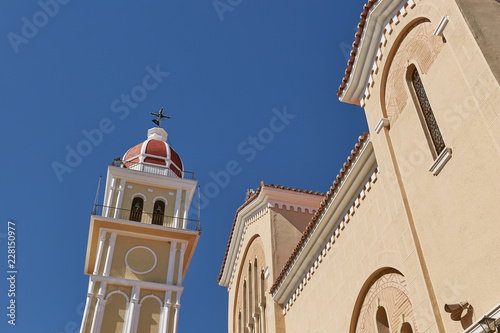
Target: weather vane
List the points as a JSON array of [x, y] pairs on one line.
[[160, 115]]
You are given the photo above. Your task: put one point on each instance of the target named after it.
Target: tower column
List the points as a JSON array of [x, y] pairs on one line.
[[109, 199], [109, 255], [132, 313], [90, 293], [171, 263], [99, 252], [176, 314], [165, 313], [119, 199], [177, 208], [186, 211], [181, 260], [99, 309]]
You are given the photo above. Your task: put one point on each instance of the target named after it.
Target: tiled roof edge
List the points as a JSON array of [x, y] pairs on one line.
[[318, 213], [359, 33], [251, 199]]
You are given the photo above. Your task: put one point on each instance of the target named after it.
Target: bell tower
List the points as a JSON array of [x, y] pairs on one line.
[[140, 241]]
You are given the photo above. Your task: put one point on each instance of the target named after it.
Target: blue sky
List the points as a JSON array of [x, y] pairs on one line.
[[219, 75]]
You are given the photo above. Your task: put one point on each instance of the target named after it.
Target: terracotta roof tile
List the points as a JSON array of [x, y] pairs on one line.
[[247, 202], [359, 33], [323, 205]]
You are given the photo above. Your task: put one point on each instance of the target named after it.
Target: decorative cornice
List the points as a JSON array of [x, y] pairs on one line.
[[341, 225], [151, 179], [256, 216], [133, 283], [261, 213], [355, 45], [270, 204], [295, 208], [256, 202], [361, 163], [377, 22]]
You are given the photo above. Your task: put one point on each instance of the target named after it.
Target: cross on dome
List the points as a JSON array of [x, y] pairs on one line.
[[160, 115]]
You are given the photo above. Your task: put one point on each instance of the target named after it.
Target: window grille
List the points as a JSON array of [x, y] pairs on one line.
[[429, 118]]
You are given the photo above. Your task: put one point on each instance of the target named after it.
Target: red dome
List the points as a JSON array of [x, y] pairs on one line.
[[155, 152]]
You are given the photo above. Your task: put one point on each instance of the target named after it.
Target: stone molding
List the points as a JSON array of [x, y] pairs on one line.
[[395, 20], [341, 225]]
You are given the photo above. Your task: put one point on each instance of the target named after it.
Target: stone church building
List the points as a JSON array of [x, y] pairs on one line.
[[406, 238]]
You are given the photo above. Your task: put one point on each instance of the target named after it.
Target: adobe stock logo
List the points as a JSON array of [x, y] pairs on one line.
[[223, 6], [247, 150], [29, 29]]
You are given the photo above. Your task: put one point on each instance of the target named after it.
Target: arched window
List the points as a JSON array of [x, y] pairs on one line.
[[262, 288], [426, 112], [158, 212], [406, 328], [136, 209], [244, 304], [262, 303], [382, 321], [250, 292], [256, 284]]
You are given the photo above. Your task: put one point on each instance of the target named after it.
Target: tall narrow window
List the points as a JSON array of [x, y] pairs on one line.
[[256, 284], [136, 209], [428, 115], [262, 288], [158, 212], [262, 303], [250, 293], [245, 314], [382, 321]]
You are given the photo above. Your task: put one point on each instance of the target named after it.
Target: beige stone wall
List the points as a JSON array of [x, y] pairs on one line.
[[454, 212], [377, 237], [93, 302], [287, 227], [482, 19]]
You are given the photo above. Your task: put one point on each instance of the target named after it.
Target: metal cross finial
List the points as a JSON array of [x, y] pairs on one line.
[[160, 115]]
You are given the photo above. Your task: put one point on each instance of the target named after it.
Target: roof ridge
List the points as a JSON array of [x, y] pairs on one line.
[[281, 187]]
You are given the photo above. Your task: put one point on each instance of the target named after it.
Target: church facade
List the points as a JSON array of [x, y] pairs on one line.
[[405, 239]]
